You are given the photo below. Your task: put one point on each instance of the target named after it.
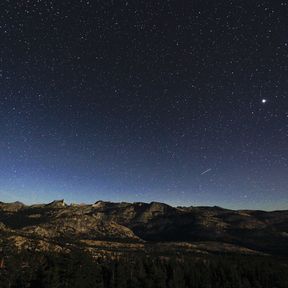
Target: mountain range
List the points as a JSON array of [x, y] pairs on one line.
[[107, 228]]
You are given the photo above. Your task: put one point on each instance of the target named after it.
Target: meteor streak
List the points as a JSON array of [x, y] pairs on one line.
[[206, 171]]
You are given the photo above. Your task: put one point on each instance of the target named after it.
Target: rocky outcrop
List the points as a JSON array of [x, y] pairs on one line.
[[11, 207], [57, 204]]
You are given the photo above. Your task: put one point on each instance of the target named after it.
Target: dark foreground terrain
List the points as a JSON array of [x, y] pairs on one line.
[[78, 269], [141, 245]]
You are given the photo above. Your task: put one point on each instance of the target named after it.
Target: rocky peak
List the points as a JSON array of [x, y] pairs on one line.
[[57, 204], [99, 204], [158, 206], [12, 207]]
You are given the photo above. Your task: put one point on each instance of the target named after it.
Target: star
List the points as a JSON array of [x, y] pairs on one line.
[[264, 101]]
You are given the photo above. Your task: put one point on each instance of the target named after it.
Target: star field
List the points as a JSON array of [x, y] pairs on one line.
[[135, 100]]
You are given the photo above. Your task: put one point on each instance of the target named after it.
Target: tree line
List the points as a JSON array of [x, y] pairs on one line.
[[78, 269]]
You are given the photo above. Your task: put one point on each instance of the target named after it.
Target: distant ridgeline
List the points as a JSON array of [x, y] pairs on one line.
[[60, 227], [141, 245]]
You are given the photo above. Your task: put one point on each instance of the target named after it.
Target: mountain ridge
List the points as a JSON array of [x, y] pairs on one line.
[[62, 201], [81, 225]]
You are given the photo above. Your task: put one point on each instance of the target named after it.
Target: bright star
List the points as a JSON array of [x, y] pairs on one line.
[[264, 101]]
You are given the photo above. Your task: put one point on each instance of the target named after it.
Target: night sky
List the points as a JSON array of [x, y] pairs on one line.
[[183, 102]]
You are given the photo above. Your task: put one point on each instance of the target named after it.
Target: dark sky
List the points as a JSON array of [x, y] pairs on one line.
[[183, 102]]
